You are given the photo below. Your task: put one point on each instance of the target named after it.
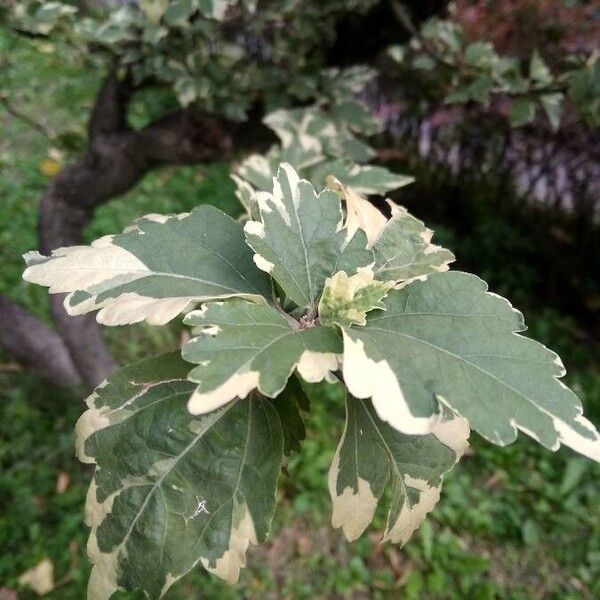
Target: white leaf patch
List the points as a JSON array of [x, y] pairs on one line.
[[368, 378], [360, 213], [228, 566], [39, 578], [352, 510]]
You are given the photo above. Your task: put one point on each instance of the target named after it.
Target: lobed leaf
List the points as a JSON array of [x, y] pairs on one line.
[[401, 246], [447, 339], [171, 490], [299, 239], [154, 270], [372, 455], [403, 249], [244, 346]]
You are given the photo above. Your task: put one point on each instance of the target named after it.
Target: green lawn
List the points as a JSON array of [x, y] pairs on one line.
[[513, 523]]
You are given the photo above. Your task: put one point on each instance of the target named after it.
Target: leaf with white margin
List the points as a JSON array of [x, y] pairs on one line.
[[215, 9], [257, 170], [347, 300], [245, 194], [313, 131], [155, 270], [363, 179], [401, 245], [299, 239], [372, 455], [403, 249], [446, 339], [171, 490], [361, 215], [243, 346]]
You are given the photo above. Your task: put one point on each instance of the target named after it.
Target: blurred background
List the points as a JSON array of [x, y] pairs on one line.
[[493, 107]]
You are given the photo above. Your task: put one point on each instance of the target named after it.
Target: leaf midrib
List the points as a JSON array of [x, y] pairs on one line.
[[156, 485]]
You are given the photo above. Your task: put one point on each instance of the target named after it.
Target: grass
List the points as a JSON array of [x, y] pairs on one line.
[[513, 523]]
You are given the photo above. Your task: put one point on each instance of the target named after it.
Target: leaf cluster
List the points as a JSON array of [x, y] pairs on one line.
[[315, 286], [460, 72]]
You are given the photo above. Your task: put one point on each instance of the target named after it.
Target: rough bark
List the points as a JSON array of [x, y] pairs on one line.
[[35, 345]]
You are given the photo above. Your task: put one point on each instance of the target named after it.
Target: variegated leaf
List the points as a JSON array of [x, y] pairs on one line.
[[401, 245], [347, 300], [363, 179], [171, 490], [313, 130], [243, 346], [290, 404], [403, 249], [372, 455], [259, 171], [154, 270], [447, 339], [299, 239]]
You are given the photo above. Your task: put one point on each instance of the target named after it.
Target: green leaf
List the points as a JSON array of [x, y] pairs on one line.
[[153, 10], [242, 346], [522, 112], [171, 490], [480, 89], [447, 340], [552, 105], [347, 300], [289, 405], [424, 62], [179, 12], [357, 116], [215, 9], [538, 70], [403, 249], [584, 90], [479, 54], [154, 270], [299, 239], [372, 456]]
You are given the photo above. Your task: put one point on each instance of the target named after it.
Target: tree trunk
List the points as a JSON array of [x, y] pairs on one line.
[[36, 346]]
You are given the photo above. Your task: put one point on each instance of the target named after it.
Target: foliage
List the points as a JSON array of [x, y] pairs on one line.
[[218, 55], [459, 70], [437, 346]]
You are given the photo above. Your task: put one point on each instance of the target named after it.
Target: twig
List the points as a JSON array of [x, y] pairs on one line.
[[15, 112], [406, 21]]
